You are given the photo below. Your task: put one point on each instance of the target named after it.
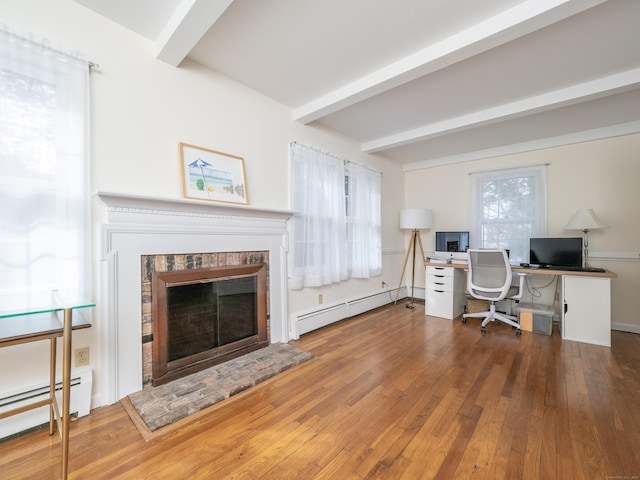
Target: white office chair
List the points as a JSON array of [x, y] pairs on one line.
[[490, 278]]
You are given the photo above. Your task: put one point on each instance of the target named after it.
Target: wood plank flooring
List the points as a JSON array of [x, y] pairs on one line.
[[390, 394]]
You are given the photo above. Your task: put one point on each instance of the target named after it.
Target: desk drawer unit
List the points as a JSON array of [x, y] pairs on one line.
[[444, 292]]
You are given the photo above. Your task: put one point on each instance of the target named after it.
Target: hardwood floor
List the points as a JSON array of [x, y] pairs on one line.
[[390, 394]]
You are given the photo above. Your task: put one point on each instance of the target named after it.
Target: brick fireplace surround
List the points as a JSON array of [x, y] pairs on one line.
[[137, 226]]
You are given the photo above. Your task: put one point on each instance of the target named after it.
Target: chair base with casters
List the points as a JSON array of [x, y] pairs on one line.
[[492, 316]]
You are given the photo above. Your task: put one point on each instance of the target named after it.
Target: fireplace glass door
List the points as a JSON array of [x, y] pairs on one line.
[[202, 316]]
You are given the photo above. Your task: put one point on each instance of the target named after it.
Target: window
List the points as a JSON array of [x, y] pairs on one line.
[[44, 239], [363, 213], [509, 207], [336, 231]]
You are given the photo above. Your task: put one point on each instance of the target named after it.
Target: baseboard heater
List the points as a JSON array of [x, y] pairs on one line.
[[80, 405], [326, 315]]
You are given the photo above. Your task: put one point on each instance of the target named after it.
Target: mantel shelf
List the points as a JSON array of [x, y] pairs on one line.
[[124, 201]]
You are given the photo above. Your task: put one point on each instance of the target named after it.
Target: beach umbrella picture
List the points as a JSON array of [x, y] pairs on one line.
[[212, 175]]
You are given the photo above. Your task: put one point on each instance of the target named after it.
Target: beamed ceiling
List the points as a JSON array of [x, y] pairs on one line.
[[422, 82]]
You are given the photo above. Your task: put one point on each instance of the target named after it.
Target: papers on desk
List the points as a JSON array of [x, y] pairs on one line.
[[439, 260], [460, 261]]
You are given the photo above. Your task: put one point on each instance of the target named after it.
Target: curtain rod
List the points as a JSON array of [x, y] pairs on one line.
[[334, 155], [509, 168], [44, 43]]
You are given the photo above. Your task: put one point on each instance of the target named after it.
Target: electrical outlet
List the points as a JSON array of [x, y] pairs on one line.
[[81, 357], [320, 298]]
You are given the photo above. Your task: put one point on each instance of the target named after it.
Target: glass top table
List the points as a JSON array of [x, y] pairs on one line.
[[31, 317], [38, 314]]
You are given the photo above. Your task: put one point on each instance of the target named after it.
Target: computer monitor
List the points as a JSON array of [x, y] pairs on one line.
[[556, 252], [452, 244]]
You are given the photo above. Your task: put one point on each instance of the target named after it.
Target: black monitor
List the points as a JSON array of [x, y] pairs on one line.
[[556, 252]]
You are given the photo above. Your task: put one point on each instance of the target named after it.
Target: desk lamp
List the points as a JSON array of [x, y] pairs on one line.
[[585, 220], [414, 219]]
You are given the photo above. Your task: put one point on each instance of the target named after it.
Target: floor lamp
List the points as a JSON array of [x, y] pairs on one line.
[[585, 220], [414, 219]]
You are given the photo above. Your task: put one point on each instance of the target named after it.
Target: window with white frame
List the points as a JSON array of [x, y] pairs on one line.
[[336, 231], [508, 207], [45, 238]]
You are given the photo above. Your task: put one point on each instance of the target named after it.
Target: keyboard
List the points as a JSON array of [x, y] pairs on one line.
[[580, 269]]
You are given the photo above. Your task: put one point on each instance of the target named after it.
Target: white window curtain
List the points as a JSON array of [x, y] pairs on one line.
[[44, 105], [508, 207], [336, 231], [319, 226], [364, 238]]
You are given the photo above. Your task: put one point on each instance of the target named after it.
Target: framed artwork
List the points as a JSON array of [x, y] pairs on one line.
[[211, 175]]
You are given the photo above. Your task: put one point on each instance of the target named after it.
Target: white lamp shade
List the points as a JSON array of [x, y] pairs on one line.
[[584, 219], [415, 218]]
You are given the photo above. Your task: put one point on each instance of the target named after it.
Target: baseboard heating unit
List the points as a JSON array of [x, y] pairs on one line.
[[80, 404], [326, 315]]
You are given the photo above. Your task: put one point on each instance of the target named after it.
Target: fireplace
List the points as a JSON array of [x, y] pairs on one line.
[[201, 309], [141, 235], [207, 316]]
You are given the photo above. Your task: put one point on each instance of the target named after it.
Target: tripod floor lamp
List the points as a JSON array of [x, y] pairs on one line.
[[414, 219]]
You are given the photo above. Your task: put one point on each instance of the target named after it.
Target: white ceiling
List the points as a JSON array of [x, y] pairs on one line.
[[423, 82]]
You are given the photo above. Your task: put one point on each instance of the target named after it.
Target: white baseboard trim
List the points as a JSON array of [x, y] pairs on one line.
[[80, 403], [625, 327], [327, 314]]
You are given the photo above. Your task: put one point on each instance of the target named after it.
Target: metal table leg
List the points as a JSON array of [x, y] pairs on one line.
[[66, 389]]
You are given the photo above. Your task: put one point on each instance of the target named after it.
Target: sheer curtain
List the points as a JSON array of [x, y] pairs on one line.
[[364, 237], [319, 227], [44, 164], [508, 207]]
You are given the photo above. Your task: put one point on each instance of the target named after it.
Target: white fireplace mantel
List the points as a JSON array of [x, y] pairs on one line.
[[138, 225], [126, 207]]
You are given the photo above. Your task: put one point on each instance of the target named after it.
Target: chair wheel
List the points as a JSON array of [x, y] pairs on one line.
[[518, 331], [483, 329], [463, 320]]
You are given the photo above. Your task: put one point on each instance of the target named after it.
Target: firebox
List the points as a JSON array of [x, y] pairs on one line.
[[204, 317]]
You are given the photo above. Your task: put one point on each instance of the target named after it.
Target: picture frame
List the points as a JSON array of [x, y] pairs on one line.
[[212, 175]]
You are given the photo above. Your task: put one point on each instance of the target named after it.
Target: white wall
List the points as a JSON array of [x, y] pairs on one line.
[[602, 175], [141, 108]]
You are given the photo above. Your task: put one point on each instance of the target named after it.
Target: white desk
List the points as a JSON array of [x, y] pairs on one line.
[[586, 299]]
